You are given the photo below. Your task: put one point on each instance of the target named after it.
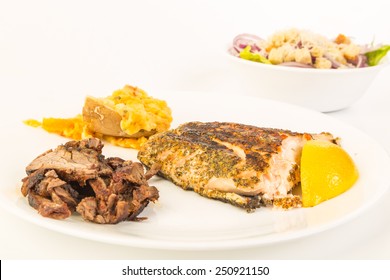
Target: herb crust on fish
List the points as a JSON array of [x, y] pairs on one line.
[[244, 165]]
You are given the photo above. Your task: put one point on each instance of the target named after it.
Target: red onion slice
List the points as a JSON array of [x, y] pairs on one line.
[[245, 39]]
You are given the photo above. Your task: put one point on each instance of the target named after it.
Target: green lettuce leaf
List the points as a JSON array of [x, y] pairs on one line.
[[246, 54], [374, 57]]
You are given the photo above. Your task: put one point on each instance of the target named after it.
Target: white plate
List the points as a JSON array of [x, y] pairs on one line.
[[183, 220]]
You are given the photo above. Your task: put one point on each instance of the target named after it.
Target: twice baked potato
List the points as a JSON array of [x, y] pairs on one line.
[[126, 118], [128, 112], [102, 119]]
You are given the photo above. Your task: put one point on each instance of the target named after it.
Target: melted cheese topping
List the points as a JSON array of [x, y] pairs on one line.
[[139, 111]]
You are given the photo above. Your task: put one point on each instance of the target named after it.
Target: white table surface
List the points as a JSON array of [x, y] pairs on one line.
[[73, 49]]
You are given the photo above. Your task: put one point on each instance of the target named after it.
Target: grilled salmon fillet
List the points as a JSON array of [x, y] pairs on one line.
[[244, 165]]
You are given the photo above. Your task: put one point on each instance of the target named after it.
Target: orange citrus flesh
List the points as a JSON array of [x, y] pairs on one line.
[[327, 170]]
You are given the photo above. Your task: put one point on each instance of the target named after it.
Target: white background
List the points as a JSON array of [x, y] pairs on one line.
[[75, 48], [83, 46]]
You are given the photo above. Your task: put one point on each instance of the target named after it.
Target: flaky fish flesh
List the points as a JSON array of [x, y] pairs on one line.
[[243, 165]]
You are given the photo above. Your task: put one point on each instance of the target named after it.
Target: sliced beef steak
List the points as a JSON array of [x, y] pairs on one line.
[[77, 177]]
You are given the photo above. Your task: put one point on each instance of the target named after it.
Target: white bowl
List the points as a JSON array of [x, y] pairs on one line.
[[324, 90]]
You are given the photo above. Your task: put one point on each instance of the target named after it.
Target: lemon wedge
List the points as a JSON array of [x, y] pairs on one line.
[[327, 170]]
